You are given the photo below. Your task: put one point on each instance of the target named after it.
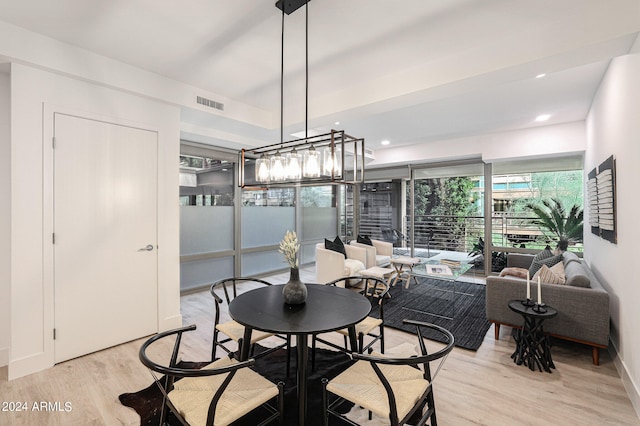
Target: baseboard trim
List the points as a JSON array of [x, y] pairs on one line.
[[4, 357], [29, 365], [632, 389]]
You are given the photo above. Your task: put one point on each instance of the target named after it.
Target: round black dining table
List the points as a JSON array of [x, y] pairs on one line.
[[327, 308]]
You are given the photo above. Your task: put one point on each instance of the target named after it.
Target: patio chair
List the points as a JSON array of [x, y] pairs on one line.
[[397, 389], [224, 291], [393, 236], [219, 393]]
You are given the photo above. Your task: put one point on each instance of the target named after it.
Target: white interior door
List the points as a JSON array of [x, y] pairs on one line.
[[105, 224]]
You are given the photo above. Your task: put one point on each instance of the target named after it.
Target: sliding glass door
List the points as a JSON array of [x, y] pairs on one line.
[[446, 212]]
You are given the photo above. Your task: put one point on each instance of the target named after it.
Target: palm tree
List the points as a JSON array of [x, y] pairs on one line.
[[553, 219]]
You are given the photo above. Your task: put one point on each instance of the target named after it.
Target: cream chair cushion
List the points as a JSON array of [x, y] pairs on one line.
[[192, 395], [364, 326], [236, 331], [360, 385]]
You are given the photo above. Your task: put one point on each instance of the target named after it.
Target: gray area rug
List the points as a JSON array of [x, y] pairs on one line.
[[457, 306]]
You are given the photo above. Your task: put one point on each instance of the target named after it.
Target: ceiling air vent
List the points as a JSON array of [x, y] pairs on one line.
[[369, 153], [210, 103]]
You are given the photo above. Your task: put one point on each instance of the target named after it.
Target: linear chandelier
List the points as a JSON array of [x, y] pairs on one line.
[[331, 158]]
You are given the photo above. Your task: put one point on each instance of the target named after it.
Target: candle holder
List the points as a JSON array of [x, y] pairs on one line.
[[528, 303], [539, 308]]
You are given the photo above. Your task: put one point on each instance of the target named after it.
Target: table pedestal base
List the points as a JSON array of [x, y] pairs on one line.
[[532, 346]]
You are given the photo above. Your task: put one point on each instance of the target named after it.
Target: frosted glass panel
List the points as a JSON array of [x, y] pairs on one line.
[[205, 272], [319, 222], [262, 262], [264, 226], [205, 229], [308, 253]]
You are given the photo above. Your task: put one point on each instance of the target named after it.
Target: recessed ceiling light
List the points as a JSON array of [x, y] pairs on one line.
[[543, 117], [385, 142], [337, 123], [541, 75]]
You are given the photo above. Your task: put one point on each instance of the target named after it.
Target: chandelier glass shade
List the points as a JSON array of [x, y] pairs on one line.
[[311, 164], [294, 165]]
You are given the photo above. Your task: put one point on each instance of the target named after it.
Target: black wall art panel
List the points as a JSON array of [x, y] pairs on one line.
[[601, 190]]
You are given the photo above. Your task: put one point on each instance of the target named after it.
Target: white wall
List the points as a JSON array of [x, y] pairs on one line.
[[35, 94], [26, 47], [613, 128], [537, 142], [5, 219]]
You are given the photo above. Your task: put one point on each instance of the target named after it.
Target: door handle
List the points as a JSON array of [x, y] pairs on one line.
[[149, 247]]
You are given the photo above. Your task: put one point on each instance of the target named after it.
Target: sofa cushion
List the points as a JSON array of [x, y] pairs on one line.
[[335, 245], [577, 275], [364, 239], [568, 256], [545, 257], [382, 260], [553, 275]]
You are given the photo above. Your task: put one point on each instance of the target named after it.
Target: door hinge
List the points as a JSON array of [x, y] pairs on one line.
[[54, 334], [53, 238], [53, 142]]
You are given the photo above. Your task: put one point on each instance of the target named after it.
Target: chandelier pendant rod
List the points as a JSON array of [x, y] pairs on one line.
[[282, 80], [306, 71]]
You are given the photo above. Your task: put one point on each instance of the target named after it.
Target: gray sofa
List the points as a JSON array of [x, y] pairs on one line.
[[582, 303]]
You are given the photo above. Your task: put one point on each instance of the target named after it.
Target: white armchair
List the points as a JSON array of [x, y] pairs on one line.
[[331, 265], [379, 254]]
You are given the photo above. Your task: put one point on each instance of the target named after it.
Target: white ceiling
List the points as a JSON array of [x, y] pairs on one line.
[[411, 71]]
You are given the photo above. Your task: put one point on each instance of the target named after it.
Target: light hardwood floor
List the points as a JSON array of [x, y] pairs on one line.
[[473, 388]]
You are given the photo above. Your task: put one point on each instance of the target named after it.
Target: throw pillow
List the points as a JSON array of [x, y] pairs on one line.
[[558, 269], [536, 263], [543, 254], [553, 275], [549, 261], [364, 239], [335, 245]]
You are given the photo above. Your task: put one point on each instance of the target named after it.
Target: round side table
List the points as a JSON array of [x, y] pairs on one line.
[[532, 344]]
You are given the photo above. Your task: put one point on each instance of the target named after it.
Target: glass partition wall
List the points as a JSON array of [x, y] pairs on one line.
[[226, 232], [207, 216]]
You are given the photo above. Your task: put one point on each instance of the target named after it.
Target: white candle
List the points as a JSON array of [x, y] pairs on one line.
[[539, 293], [528, 287]]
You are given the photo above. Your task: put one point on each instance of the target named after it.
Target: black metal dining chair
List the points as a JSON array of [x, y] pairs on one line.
[[217, 394], [377, 291], [223, 292], [396, 389]]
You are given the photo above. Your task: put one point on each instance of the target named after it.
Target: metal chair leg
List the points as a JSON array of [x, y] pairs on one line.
[[325, 414], [288, 354]]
